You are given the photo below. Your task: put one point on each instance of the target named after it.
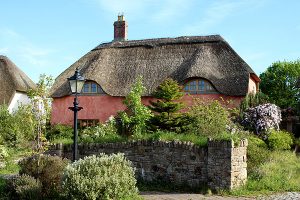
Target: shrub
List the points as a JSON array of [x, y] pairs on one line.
[[279, 140], [102, 177], [16, 128], [257, 154], [48, 169], [262, 118], [27, 187], [210, 118], [135, 117], [59, 131]]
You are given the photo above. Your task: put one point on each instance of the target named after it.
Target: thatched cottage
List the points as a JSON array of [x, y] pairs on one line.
[[206, 66], [14, 84]]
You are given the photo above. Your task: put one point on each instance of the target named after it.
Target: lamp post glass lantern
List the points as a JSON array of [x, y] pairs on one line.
[[76, 83]]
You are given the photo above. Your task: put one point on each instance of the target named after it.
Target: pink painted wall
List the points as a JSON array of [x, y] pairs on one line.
[[103, 106]]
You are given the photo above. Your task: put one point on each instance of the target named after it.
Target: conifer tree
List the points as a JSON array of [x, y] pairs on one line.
[[166, 107]]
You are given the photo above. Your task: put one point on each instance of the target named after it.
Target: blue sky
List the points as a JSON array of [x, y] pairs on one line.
[[42, 36]]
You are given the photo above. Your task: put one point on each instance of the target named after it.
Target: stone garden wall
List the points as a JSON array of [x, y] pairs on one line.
[[220, 165]]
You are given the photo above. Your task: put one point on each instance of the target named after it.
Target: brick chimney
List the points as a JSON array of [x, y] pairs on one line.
[[120, 29]]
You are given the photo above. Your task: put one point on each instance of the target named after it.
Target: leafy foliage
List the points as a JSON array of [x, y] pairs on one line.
[[3, 152], [167, 106], [59, 131], [279, 140], [27, 187], [136, 115], [257, 154], [210, 118], [48, 169], [27, 123], [279, 83], [252, 100], [262, 118], [106, 132], [102, 177], [16, 128]]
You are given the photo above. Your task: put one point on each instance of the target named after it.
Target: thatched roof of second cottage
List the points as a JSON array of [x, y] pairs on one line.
[[116, 65], [12, 79]]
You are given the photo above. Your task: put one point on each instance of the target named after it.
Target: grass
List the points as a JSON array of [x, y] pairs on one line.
[[279, 174], [157, 136], [62, 140]]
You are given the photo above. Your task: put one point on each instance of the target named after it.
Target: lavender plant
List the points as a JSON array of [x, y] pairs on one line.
[[262, 118]]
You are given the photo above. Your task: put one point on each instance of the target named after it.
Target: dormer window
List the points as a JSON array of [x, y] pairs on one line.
[[91, 87], [199, 86]]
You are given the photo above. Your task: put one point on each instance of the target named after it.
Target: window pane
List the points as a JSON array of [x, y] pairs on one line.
[[93, 88], [186, 87], [193, 85], [201, 85], [86, 87]]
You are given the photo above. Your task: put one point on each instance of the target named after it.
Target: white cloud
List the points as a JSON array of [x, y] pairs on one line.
[[218, 12], [4, 50], [33, 57]]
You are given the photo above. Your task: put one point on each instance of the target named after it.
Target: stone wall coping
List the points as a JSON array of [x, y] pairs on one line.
[[170, 144]]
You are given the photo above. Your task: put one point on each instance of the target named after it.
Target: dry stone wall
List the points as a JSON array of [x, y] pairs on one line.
[[220, 165]]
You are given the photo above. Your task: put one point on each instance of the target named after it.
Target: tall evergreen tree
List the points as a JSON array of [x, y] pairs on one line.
[[166, 107]]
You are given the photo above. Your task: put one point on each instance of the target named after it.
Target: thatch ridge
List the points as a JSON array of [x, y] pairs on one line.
[[116, 65], [12, 79]]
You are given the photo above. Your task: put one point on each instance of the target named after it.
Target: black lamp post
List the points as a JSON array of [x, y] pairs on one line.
[[76, 83]]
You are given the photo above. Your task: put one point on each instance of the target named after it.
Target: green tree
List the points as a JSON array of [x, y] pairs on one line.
[[136, 115], [279, 83], [166, 107]]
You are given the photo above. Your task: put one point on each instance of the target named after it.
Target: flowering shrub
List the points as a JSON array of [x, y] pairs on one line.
[[102, 177], [262, 118]]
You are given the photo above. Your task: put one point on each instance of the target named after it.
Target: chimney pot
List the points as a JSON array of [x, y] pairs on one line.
[[120, 29]]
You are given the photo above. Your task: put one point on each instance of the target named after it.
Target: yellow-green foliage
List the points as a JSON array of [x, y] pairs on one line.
[[279, 140], [257, 153], [100, 177], [210, 118]]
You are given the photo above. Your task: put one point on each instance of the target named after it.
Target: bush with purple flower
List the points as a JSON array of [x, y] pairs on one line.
[[262, 118]]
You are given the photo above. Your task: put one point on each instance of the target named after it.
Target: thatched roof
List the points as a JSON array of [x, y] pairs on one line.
[[12, 79], [116, 65]]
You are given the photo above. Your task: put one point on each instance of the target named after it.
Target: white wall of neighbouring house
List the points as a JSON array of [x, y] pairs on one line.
[[19, 98]]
